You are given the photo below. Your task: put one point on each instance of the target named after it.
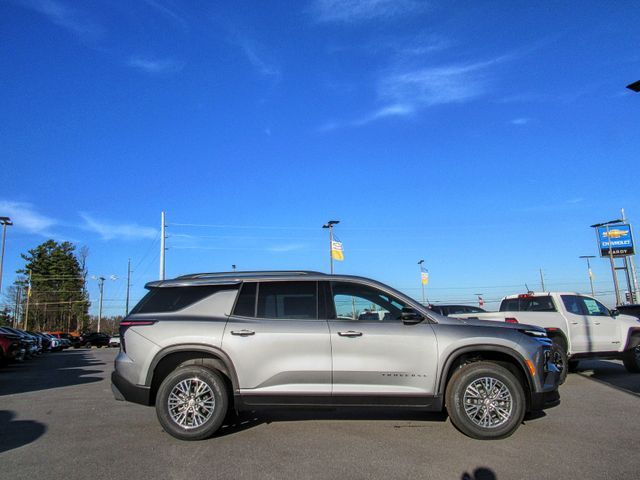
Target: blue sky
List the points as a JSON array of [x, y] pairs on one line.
[[483, 137]]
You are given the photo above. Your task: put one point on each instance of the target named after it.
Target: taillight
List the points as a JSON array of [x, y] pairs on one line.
[[126, 324], [511, 320]]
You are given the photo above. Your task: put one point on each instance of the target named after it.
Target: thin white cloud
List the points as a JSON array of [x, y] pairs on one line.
[[286, 248], [349, 11], [407, 92], [520, 121], [437, 85], [109, 230], [155, 65], [168, 12], [256, 58], [26, 218], [64, 16]]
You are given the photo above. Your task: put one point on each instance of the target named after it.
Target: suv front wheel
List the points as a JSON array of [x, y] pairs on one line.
[[485, 401], [192, 403]]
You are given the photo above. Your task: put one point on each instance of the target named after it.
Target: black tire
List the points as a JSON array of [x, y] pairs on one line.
[[631, 360], [573, 365], [214, 416], [560, 359], [472, 376], [87, 345]]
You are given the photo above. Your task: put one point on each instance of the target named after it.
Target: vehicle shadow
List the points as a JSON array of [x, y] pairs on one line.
[[16, 433], [480, 473], [50, 370], [235, 423], [610, 373]]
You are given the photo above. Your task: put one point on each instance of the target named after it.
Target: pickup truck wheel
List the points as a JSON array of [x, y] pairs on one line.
[[485, 401], [560, 359], [192, 403], [631, 360]]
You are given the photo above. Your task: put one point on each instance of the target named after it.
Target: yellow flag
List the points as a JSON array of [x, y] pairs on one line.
[[425, 277], [336, 251]]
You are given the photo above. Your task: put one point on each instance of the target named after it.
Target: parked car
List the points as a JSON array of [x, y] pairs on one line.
[[201, 344], [72, 340], [44, 339], [95, 339], [447, 310], [10, 348], [579, 326], [29, 343], [114, 341]]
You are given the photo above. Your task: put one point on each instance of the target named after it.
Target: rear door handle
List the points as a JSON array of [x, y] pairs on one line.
[[350, 333], [243, 332]]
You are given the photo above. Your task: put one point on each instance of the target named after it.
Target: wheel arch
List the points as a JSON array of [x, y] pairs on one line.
[[559, 334], [505, 356], [168, 359], [633, 338]]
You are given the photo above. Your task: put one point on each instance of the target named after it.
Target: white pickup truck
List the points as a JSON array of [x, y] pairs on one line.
[[580, 326]]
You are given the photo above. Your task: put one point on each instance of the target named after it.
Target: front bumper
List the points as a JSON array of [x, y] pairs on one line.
[[125, 390], [546, 395]]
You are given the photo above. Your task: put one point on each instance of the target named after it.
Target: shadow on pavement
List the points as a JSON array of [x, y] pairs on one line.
[[245, 420], [481, 473], [50, 370], [610, 373], [16, 433]]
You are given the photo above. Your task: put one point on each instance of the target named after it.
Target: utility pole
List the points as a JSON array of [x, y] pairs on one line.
[[634, 279], [101, 286], [15, 312], [162, 249], [126, 307], [4, 221], [330, 225], [542, 280], [593, 293], [26, 313]]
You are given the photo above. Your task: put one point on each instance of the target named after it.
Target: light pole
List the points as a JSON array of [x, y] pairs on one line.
[[330, 225], [4, 221], [420, 263], [593, 293], [613, 265], [100, 281]]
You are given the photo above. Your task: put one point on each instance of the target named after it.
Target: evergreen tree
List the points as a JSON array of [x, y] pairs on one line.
[[58, 298]]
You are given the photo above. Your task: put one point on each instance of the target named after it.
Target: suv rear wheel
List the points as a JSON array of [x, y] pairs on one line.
[[192, 403], [485, 401]]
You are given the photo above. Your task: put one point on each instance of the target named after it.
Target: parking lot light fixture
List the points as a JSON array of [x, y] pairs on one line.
[[330, 225], [635, 86], [4, 221]]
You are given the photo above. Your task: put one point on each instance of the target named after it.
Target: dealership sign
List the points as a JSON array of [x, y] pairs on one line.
[[617, 238]]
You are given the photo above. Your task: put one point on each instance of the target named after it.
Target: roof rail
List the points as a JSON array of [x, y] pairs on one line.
[[248, 273]]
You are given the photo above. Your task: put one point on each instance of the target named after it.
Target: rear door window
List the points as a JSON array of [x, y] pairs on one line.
[[288, 300]]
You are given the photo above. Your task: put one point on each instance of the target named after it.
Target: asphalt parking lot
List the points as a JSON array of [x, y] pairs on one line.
[[58, 419]]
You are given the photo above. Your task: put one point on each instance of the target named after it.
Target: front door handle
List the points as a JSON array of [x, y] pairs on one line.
[[243, 332], [574, 323], [350, 333]]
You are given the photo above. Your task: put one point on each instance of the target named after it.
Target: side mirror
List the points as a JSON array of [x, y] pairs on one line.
[[410, 317], [615, 312]]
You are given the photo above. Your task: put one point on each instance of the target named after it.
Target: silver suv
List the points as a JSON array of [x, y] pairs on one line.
[[200, 345]]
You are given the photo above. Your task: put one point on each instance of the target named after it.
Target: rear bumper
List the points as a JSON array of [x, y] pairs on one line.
[[124, 390]]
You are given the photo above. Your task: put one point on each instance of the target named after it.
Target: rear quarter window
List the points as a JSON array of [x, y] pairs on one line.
[[172, 299]]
